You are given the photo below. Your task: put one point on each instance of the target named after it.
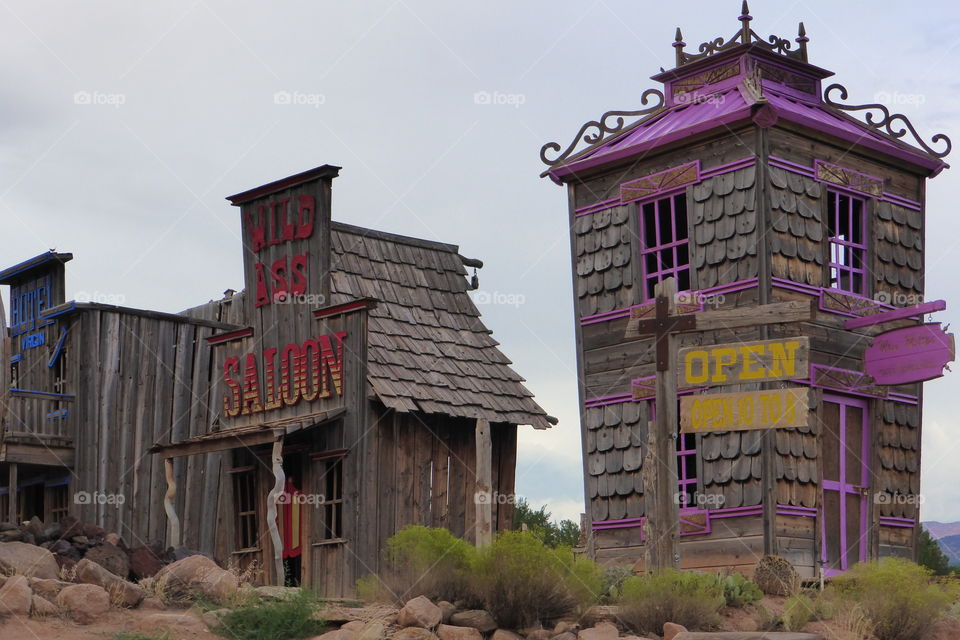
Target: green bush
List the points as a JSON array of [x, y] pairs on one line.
[[425, 561], [798, 610], [613, 579], [684, 597], [739, 592], [522, 582], [897, 597], [288, 619]]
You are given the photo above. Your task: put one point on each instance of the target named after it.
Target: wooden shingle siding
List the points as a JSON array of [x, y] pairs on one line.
[[899, 453], [605, 244], [616, 437], [898, 260], [724, 219], [797, 238]]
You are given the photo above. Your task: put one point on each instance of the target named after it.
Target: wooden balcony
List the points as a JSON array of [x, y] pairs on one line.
[[39, 429]]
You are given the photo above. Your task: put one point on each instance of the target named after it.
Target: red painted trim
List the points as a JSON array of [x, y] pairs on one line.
[[896, 314], [230, 336], [325, 171], [346, 307]]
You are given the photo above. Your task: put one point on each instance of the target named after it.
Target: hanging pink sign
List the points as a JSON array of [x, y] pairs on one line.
[[913, 354]]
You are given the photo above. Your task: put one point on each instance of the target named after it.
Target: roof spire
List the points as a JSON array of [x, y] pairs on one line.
[[745, 18], [679, 44], [802, 40]]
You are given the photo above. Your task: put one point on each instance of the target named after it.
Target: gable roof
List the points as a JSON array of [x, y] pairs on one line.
[[428, 349]]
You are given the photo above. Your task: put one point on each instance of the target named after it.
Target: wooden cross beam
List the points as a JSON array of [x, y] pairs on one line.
[[662, 519]]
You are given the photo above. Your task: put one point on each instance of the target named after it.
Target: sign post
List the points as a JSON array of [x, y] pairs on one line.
[[662, 513]]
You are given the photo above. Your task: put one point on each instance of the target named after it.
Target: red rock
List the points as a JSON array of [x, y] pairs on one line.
[[670, 630]]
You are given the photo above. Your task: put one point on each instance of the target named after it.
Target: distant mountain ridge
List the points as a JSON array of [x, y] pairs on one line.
[[950, 545], [942, 529]]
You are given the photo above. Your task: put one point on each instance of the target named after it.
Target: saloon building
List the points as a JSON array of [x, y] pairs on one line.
[[352, 376], [749, 182]]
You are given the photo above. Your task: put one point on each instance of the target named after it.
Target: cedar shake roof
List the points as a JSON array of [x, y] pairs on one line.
[[428, 349]]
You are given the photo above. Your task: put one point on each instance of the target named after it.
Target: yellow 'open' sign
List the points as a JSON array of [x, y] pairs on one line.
[[747, 362]]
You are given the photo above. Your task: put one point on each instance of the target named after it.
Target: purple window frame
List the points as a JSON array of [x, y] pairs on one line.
[[848, 256], [658, 248], [686, 462]]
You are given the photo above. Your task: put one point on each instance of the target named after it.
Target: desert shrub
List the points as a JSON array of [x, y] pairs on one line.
[[684, 597], [896, 596], [521, 581], [422, 561], [776, 576], [288, 619], [767, 620], [739, 592], [613, 579], [798, 610]]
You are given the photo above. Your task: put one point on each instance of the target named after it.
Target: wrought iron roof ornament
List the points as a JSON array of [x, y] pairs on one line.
[[894, 125], [604, 128], [746, 35]]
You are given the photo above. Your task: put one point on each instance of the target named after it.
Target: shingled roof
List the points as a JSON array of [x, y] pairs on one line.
[[428, 349]]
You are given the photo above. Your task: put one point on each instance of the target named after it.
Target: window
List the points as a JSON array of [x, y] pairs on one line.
[[848, 246], [665, 244], [332, 483], [687, 469], [245, 502], [686, 462]]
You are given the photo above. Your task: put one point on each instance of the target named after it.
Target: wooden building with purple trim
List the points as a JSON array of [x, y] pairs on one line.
[[353, 363], [748, 183]]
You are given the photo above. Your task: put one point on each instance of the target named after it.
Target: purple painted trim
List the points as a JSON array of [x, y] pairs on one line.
[[895, 314], [625, 311], [894, 521], [736, 512], [816, 170], [789, 510], [741, 114], [796, 286], [605, 400], [825, 290], [662, 193], [901, 202], [596, 206], [793, 167], [904, 398], [742, 163]]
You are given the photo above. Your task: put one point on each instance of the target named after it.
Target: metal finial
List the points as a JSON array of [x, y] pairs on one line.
[[745, 18], [679, 44], [802, 40]]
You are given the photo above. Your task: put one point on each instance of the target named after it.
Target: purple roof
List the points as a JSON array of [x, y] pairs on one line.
[[733, 103]]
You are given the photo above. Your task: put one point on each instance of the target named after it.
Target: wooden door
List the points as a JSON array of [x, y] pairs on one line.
[[844, 456]]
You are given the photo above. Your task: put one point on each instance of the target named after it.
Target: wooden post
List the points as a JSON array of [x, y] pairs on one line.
[[168, 505], [484, 497], [663, 516], [272, 498], [12, 493], [5, 381]]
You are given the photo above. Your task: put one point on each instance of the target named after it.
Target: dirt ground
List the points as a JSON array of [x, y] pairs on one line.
[[183, 625]]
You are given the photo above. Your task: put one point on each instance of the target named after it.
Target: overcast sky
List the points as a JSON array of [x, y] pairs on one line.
[[124, 124]]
